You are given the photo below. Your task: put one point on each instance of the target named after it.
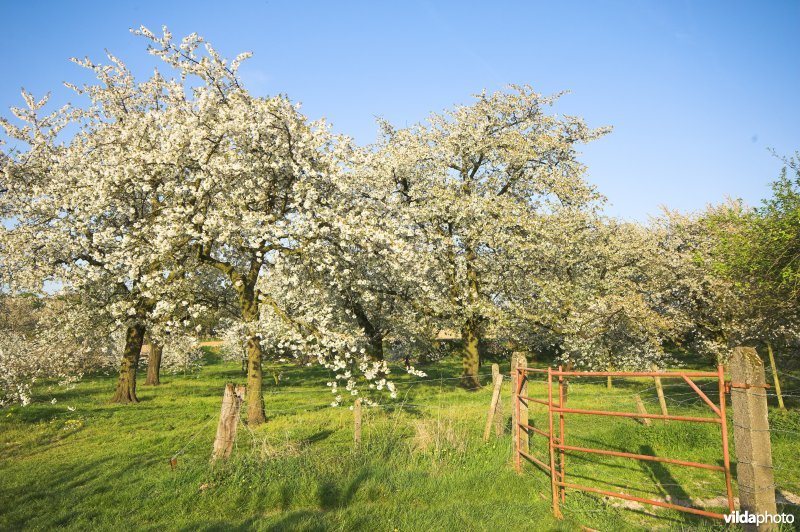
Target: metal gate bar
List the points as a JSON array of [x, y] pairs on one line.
[[557, 443]]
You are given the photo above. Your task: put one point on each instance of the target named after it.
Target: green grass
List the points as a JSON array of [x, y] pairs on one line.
[[422, 464]]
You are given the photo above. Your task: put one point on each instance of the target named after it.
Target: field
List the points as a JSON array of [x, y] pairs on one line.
[[83, 463]]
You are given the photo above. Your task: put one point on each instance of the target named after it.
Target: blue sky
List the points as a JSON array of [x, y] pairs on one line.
[[698, 92]]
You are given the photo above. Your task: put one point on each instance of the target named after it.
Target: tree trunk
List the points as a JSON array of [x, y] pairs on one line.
[[255, 399], [470, 355], [470, 334], [126, 384], [248, 303], [154, 365], [376, 345], [374, 334]]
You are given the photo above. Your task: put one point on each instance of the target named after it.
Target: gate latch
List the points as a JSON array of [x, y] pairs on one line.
[[743, 385]]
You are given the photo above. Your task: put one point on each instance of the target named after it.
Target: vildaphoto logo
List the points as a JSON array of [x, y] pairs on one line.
[[743, 518]]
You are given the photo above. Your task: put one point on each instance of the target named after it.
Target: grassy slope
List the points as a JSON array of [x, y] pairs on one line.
[[422, 464]]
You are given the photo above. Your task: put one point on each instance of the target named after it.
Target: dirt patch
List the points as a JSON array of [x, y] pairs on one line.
[[781, 497]]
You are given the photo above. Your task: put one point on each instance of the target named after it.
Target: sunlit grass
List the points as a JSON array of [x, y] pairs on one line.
[[422, 464]]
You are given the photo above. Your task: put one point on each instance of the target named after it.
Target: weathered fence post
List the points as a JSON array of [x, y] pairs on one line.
[[660, 391], [494, 415], [751, 435], [775, 376], [608, 383], [519, 411], [228, 421], [499, 421], [357, 423], [642, 410]]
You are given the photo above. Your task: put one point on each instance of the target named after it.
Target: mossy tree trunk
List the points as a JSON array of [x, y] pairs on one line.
[[470, 333], [126, 384], [154, 364], [255, 374]]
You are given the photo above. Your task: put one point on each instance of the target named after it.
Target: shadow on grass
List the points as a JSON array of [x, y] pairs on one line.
[[318, 437], [58, 485], [599, 462], [331, 496], [306, 520], [661, 476]]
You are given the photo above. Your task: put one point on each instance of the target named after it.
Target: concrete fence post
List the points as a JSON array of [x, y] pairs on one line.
[[753, 449]]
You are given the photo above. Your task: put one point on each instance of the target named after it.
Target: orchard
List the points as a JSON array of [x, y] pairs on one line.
[[153, 216]]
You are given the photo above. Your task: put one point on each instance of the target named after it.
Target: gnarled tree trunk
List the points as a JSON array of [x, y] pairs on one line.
[[245, 286], [374, 334], [154, 364], [126, 384]]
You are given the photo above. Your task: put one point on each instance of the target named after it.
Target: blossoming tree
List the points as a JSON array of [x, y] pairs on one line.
[[84, 208], [476, 183]]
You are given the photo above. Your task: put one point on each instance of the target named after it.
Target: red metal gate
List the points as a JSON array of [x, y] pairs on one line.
[[557, 443]]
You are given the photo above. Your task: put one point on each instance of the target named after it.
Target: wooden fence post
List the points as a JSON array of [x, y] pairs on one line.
[[519, 436], [499, 420], [357, 424], [751, 435], [228, 421], [642, 410], [660, 391], [494, 416], [775, 379]]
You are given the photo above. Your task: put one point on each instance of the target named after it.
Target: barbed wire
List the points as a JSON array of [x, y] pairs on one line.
[[766, 430], [765, 466], [397, 383], [760, 489], [767, 394], [782, 373], [574, 394], [182, 449]]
